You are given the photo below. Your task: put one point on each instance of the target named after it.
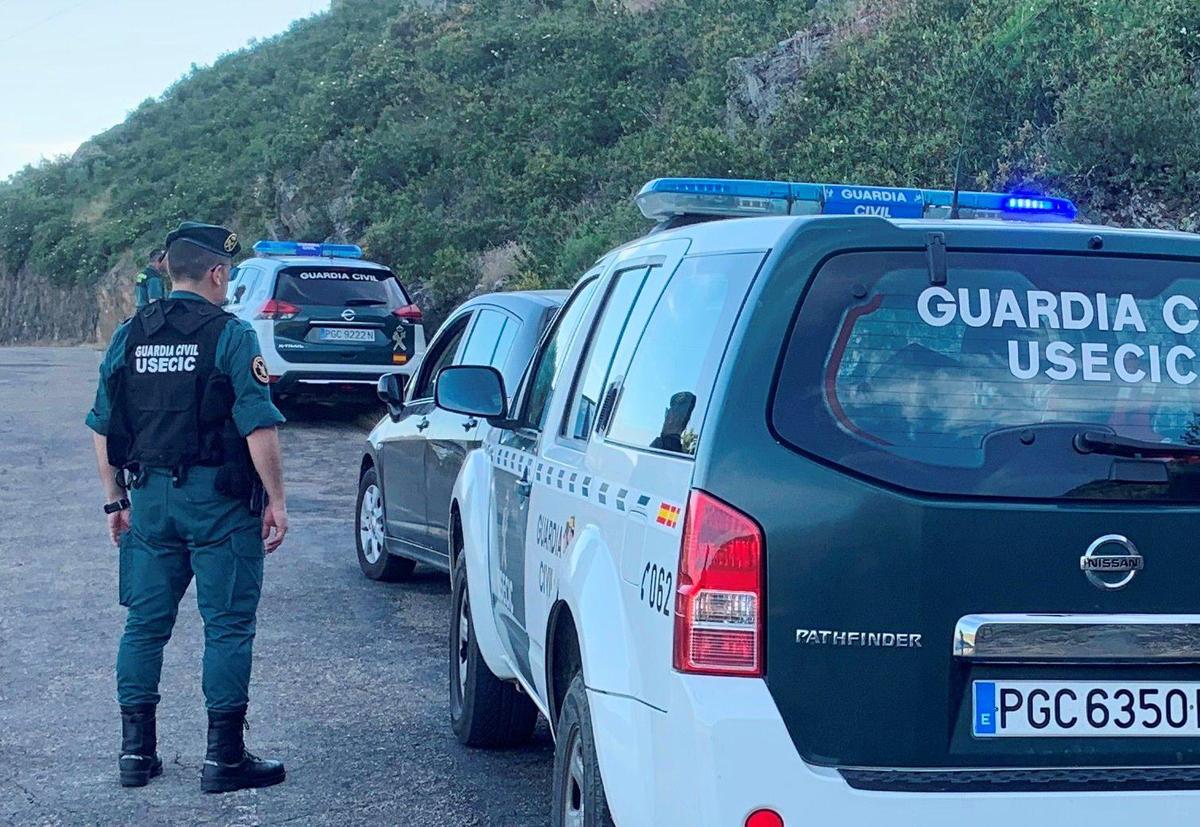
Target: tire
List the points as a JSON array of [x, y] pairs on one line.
[[373, 557], [579, 799], [484, 710]]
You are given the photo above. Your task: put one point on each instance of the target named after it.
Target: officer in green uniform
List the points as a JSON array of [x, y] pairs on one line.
[[149, 286], [186, 442]]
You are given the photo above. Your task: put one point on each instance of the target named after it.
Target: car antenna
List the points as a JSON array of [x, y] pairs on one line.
[[962, 144], [954, 213]]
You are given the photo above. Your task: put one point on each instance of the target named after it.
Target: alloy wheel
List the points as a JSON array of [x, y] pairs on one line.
[[370, 525]]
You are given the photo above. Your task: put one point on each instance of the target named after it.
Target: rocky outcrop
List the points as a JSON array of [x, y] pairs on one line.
[[34, 310], [314, 202], [759, 84], [495, 268], [114, 298]]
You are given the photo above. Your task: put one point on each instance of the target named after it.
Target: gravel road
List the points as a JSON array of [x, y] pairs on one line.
[[349, 679]]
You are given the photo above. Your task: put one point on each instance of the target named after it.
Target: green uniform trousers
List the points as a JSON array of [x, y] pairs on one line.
[[180, 532]]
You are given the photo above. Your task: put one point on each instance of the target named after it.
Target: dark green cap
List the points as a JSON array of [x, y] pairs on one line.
[[210, 237]]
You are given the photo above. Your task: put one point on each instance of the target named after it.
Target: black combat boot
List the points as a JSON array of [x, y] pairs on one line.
[[228, 766], [139, 738]]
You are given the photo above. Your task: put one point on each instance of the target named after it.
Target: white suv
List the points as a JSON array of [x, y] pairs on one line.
[[329, 323], [848, 513]]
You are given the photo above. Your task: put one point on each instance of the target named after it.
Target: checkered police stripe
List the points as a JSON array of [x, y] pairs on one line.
[[663, 515]]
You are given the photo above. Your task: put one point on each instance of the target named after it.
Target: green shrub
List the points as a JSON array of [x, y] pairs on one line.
[[442, 135]]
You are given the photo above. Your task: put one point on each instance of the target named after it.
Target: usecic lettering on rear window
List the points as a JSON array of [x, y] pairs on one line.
[[980, 385]]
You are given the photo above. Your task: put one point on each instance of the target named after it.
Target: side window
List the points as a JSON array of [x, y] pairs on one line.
[[586, 396], [439, 355], [553, 352], [665, 392], [242, 283], [491, 338], [235, 278], [258, 285]]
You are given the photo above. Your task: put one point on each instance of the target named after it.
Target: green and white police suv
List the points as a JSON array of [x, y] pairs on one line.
[[846, 505], [329, 322]]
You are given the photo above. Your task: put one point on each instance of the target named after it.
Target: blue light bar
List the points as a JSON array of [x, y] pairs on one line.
[[306, 248], [666, 198], [1039, 205]]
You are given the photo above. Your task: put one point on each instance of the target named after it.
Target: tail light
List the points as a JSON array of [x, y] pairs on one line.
[[277, 310], [764, 818], [409, 313], [719, 595]]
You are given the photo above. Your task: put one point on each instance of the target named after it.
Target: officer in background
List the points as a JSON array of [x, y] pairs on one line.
[[186, 442], [149, 285]]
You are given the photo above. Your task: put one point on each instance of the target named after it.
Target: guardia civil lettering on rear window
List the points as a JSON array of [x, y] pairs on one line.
[[1152, 360], [927, 384]]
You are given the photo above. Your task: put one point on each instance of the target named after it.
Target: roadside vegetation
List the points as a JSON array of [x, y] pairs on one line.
[[435, 136]]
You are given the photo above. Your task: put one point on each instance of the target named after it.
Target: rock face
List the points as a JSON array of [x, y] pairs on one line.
[[315, 202], [758, 85], [113, 296], [495, 268], [32, 309]]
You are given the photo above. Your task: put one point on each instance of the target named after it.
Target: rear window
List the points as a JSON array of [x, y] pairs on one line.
[[981, 386], [338, 287]]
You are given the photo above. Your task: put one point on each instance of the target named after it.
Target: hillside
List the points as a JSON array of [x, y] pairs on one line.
[[471, 145]]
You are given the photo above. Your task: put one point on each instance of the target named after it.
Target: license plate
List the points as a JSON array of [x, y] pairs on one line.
[[1078, 709], [346, 334]]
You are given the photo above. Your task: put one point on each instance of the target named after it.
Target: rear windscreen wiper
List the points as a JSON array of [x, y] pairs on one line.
[[365, 302], [1098, 442]]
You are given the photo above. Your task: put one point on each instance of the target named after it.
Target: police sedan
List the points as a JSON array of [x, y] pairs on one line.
[[413, 455]]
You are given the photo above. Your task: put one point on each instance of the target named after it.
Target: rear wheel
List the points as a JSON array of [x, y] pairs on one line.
[[579, 799], [484, 710], [369, 534]]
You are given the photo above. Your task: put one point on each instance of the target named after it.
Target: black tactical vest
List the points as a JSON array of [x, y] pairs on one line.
[[169, 402]]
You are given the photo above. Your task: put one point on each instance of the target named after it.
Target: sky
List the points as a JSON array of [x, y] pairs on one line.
[[70, 69]]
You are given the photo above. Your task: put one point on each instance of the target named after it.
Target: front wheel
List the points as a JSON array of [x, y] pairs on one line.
[[579, 799], [484, 710], [369, 534]]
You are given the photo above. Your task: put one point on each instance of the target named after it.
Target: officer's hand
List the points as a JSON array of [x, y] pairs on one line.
[[275, 526], [118, 524]]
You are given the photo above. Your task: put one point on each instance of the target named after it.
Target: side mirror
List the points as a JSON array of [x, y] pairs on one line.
[[474, 390], [390, 391], [237, 294]]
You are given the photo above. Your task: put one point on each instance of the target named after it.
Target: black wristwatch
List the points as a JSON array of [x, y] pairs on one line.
[[116, 505]]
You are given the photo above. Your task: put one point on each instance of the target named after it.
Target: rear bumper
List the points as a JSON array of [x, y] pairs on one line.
[[331, 382], [721, 751]]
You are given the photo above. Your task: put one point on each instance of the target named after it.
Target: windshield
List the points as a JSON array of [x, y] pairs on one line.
[[338, 286], [979, 386]]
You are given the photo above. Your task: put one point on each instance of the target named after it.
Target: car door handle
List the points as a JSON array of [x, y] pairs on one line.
[[470, 423], [423, 424], [524, 486]]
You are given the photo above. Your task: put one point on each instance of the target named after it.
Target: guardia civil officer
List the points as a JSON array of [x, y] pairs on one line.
[[189, 456], [149, 285]]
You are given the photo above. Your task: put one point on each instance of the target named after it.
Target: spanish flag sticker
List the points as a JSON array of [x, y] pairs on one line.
[[668, 515]]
